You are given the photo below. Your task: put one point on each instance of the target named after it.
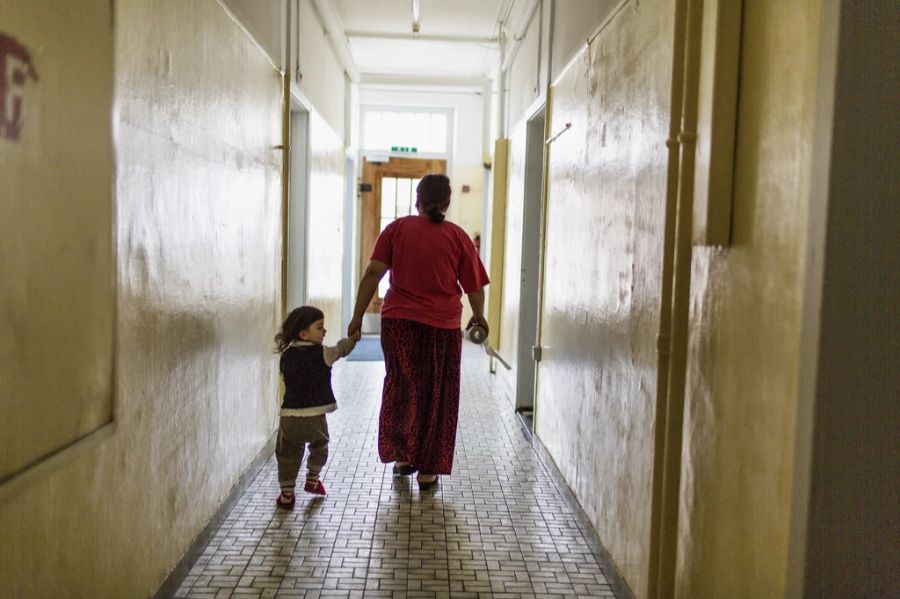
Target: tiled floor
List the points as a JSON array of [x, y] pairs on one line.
[[496, 528]]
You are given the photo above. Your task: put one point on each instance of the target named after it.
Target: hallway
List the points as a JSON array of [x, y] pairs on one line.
[[497, 527], [687, 211]]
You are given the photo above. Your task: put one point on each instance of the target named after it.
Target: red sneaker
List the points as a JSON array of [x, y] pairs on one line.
[[315, 487], [286, 502]]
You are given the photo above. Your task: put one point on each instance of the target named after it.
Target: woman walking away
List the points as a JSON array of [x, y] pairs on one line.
[[432, 262]]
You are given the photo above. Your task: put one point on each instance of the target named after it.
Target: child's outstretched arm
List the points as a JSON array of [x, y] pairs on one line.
[[333, 353]]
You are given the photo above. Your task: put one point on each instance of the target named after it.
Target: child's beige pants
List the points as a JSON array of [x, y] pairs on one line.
[[293, 434]]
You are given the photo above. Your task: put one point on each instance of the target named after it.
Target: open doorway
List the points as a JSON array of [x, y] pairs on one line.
[[531, 256], [298, 207], [387, 192]]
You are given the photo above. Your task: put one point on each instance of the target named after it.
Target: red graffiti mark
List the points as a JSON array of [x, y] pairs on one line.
[[15, 69]]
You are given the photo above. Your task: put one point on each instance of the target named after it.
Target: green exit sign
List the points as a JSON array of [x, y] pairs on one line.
[[404, 149]]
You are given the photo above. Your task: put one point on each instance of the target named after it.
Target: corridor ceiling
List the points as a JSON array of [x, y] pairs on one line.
[[456, 38]]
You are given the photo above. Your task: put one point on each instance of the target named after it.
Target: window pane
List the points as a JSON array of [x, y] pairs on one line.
[[372, 130], [389, 130], [405, 129], [412, 196], [422, 133], [438, 133], [388, 199], [403, 196]]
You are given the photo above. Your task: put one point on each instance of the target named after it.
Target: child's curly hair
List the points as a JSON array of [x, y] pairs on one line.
[[298, 320]]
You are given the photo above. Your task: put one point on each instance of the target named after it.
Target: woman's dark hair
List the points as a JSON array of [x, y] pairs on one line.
[[433, 195], [298, 320]]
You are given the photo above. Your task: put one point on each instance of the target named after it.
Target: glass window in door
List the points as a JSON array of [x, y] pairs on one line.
[[398, 199]]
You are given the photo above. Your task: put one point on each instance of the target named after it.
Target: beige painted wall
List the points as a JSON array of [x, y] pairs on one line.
[[466, 208], [198, 206], [56, 213], [325, 224], [745, 323], [596, 398]]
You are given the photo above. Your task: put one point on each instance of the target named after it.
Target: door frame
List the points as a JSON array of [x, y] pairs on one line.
[[532, 255]]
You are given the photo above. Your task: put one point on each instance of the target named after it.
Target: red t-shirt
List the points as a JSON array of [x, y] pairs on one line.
[[431, 264]]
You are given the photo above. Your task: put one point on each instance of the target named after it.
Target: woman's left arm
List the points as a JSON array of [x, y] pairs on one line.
[[476, 301]]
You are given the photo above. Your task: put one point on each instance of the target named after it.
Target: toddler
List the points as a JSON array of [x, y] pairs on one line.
[[305, 366]]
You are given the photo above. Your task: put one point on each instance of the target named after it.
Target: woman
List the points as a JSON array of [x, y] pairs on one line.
[[432, 262]]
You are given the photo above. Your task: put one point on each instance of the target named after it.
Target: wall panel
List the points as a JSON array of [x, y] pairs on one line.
[[198, 206], [745, 324], [56, 219]]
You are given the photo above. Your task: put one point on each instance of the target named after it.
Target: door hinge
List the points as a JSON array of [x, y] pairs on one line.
[[537, 352]]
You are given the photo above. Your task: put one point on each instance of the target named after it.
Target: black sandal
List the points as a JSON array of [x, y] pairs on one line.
[[404, 470], [426, 485]]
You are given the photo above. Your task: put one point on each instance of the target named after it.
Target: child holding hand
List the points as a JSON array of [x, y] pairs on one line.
[[305, 367]]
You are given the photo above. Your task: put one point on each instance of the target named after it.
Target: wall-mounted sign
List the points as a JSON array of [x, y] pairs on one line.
[[411, 150]]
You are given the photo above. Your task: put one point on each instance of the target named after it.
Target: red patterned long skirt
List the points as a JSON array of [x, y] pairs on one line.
[[420, 401]]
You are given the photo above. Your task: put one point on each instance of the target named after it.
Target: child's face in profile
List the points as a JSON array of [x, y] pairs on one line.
[[314, 333]]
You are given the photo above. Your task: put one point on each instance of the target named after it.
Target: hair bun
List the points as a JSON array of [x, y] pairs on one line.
[[433, 196]]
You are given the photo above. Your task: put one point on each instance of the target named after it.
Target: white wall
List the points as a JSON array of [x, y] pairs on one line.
[[318, 72], [262, 18], [573, 22], [325, 225], [525, 80], [543, 53], [312, 63]]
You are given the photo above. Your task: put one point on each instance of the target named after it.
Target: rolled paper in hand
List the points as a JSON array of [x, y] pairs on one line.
[[476, 334]]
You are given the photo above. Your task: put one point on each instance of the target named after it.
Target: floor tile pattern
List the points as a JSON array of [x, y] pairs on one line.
[[497, 528]]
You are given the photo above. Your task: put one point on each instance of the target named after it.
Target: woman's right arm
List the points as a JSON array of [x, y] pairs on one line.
[[367, 286]]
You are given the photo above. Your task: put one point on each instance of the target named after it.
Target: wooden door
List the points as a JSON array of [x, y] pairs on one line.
[[388, 192]]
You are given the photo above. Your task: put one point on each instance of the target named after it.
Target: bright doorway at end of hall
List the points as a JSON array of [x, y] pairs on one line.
[[387, 192]]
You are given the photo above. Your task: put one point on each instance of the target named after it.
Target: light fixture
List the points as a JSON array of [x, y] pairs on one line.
[[415, 10]]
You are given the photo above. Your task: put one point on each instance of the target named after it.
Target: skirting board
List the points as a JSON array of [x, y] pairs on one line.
[[171, 584], [612, 575]]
